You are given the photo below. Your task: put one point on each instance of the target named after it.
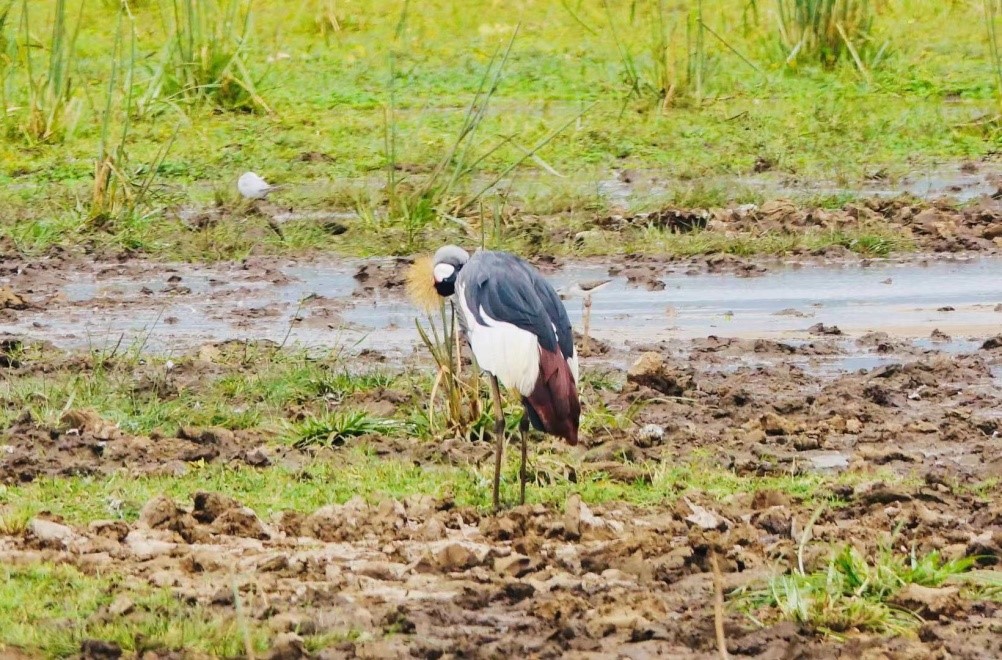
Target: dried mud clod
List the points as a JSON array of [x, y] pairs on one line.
[[577, 578]]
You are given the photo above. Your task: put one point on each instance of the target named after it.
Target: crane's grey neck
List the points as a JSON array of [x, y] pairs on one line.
[[452, 255]]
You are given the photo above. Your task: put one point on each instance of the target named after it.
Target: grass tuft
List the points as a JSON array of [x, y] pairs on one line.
[[828, 30], [852, 592], [671, 62], [52, 106], [121, 191], [336, 428], [14, 522], [462, 403], [203, 60]]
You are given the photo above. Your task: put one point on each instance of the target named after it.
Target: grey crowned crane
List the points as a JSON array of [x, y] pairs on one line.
[[520, 335]]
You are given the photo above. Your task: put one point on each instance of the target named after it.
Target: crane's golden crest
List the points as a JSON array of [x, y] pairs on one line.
[[421, 284]]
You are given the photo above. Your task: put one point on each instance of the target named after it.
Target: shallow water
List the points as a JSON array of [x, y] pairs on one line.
[[631, 188], [855, 299], [902, 299]]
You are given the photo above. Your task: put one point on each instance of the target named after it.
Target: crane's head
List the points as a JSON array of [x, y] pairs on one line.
[[433, 278], [449, 260]]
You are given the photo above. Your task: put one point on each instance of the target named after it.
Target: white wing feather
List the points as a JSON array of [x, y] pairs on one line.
[[503, 349]]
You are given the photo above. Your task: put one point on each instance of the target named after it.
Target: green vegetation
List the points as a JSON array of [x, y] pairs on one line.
[[52, 108], [334, 429], [249, 386], [828, 30], [854, 592], [438, 123], [203, 61], [462, 400], [33, 596], [360, 472]]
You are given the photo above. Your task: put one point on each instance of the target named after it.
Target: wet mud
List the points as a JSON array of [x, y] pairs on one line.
[[423, 577], [886, 370]]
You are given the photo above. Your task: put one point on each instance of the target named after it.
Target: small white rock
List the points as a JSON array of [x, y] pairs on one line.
[[144, 547], [651, 432]]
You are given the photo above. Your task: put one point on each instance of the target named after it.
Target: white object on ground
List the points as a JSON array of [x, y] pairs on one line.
[[252, 186]]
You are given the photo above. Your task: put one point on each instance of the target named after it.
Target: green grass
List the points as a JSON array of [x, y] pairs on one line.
[[259, 389], [324, 72], [853, 592], [50, 609], [360, 472], [334, 429]]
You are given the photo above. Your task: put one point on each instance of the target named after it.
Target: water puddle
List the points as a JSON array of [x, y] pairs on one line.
[[909, 300], [317, 305], [630, 188], [950, 182]]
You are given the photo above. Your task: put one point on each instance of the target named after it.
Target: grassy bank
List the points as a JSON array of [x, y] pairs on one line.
[[116, 125]]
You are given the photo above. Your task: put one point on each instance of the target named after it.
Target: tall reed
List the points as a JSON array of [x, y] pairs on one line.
[[121, 191], [203, 60], [991, 11], [671, 61], [444, 192], [454, 394], [52, 105], [828, 31]]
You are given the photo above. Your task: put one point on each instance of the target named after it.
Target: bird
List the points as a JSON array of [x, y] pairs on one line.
[[520, 335], [252, 186], [584, 289]]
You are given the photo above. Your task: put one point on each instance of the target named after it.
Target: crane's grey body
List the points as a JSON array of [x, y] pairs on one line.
[[500, 286]]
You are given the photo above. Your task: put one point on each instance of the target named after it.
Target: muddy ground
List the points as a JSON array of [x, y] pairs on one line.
[[611, 580], [918, 427]]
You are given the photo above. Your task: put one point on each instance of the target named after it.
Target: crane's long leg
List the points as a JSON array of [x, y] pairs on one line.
[[499, 438], [523, 429], [587, 315]]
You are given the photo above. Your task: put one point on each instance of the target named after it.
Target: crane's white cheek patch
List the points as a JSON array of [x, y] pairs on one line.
[[443, 271]]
